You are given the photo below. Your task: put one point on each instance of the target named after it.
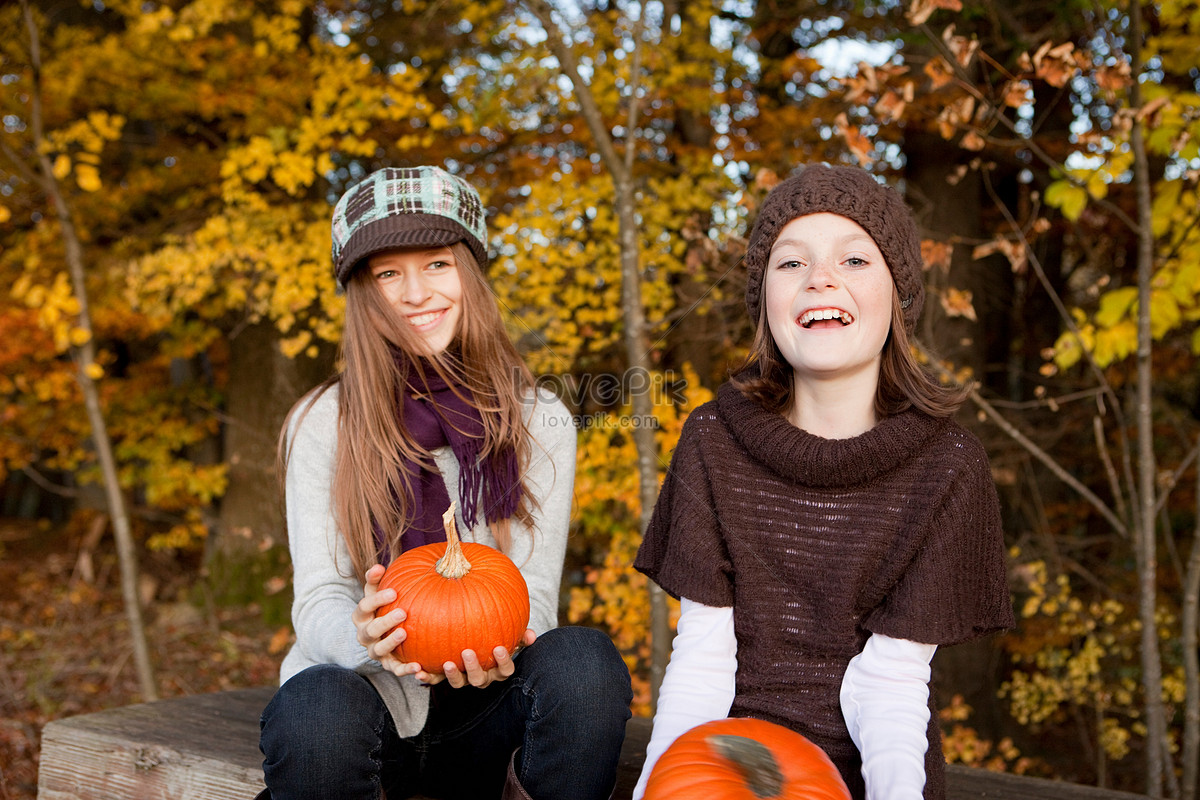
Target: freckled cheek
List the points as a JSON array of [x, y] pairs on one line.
[[779, 319], [390, 293], [777, 300]]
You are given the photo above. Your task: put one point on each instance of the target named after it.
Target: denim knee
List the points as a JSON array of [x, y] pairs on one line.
[[322, 701], [582, 664], [577, 692], [323, 731]]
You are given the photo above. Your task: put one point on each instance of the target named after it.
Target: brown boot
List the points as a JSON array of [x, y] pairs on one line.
[[513, 790]]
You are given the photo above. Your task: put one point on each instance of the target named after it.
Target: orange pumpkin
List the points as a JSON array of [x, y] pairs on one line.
[[744, 759], [458, 596]]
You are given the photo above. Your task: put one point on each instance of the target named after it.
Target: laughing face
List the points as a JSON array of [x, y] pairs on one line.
[[828, 296], [424, 287]]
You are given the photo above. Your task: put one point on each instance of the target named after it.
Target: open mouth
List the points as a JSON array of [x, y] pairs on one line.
[[421, 320], [819, 315]]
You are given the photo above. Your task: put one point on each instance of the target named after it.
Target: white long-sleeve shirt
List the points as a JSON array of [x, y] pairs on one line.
[[884, 697]]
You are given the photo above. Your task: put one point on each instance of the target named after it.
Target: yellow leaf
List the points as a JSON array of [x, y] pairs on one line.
[[88, 177], [94, 371], [5, 214], [62, 167], [79, 337], [1115, 305], [1069, 198], [1165, 314]]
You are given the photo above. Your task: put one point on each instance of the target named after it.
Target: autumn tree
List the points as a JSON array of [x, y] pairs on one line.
[[1086, 166], [200, 145], [201, 142], [206, 200]]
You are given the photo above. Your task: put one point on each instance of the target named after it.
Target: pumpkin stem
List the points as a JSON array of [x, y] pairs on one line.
[[754, 762], [453, 564]]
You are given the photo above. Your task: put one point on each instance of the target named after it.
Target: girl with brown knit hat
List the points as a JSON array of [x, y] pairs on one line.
[[432, 407], [824, 522]]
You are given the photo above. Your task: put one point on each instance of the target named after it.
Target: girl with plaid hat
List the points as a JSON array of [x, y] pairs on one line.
[[824, 521], [433, 405]]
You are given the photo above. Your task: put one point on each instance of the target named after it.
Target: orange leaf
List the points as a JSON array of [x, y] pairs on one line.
[[890, 107], [936, 255], [859, 145], [972, 141], [1055, 65], [279, 640], [1016, 93], [957, 303], [766, 179], [962, 47], [939, 72], [1115, 78], [922, 10]]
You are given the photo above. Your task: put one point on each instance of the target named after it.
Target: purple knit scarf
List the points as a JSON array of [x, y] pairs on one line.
[[436, 416]]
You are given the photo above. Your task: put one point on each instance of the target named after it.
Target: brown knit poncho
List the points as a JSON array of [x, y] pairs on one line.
[[817, 543]]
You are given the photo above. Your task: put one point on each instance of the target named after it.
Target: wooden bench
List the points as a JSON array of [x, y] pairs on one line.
[[205, 747]]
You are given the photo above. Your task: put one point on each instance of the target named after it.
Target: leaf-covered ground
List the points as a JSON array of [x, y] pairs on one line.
[[65, 648]]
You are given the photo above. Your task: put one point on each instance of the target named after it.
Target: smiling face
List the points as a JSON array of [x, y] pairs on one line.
[[424, 287], [828, 297]]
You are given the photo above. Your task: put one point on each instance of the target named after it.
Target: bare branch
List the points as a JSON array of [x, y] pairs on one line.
[[1044, 457], [1114, 482], [48, 485], [1028, 444]]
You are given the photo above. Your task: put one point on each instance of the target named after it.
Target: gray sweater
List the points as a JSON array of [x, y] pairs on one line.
[[325, 597]]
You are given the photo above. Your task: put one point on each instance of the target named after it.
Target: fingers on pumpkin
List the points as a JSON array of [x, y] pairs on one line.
[[458, 595], [453, 676], [374, 575], [476, 676], [504, 664]]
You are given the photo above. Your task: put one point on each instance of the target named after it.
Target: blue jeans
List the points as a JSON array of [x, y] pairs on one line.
[[327, 734]]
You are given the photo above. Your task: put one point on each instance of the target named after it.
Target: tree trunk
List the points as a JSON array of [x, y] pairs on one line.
[[1146, 541], [85, 358], [263, 386], [637, 349], [954, 213], [1190, 641]]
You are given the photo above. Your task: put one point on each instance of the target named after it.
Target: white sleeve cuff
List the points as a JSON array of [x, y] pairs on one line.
[[698, 685], [885, 700]]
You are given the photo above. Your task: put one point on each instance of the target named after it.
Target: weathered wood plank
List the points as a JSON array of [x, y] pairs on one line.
[[205, 747], [202, 747], [967, 783]]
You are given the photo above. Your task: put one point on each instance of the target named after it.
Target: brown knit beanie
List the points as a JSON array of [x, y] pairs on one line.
[[852, 193]]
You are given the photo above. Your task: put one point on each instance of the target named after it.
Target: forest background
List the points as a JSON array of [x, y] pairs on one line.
[[167, 171]]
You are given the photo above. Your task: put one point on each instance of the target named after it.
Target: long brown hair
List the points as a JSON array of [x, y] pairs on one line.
[[370, 484], [766, 377]]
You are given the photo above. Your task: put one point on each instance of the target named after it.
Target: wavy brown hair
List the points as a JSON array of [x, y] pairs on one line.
[[766, 377], [378, 350]]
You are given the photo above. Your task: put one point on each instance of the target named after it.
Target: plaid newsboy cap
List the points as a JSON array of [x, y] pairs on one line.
[[405, 207]]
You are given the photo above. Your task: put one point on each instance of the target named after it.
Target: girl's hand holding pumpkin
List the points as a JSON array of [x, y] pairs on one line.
[[373, 631], [475, 676]]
